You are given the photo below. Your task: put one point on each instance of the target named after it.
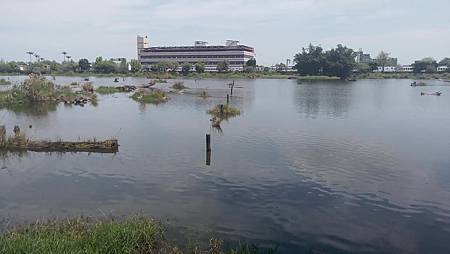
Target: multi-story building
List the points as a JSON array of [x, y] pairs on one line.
[[235, 54], [362, 58]]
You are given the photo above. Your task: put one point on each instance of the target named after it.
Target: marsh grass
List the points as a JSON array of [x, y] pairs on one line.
[[39, 89], [179, 86], [4, 82], [228, 111], [136, 235], [204, 94], [154, 96], [107, 90]]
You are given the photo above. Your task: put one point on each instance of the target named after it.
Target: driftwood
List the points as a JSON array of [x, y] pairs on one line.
[[107, 146], [19, 142]]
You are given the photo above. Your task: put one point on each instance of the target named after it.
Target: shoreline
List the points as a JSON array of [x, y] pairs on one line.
[[250, 76]]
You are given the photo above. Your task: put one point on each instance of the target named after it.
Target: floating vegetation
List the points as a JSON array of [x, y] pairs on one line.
[[179, 86], [20, 142], [88, 87], [4, 82], [154, 96], [115, 89], [160, 81], [204, 94], [420, 83], [39, 89], [222, 112]]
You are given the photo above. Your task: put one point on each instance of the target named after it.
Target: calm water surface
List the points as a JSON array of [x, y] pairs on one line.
[[361, 167]]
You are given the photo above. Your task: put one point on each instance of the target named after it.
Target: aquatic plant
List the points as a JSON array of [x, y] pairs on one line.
[[39, 89], [154, 96], [222, 111], [4, 82], [204, 94], [179, 86], [107, 90], [88, 87]]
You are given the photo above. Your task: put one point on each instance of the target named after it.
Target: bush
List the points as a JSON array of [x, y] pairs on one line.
[[155, 96]]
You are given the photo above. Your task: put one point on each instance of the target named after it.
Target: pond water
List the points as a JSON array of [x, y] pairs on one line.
[[331, 167]]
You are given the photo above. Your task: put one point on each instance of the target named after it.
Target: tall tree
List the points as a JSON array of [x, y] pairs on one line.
[[135, 65], [310, 61], [383, 59], [84, 65], [339, 62], [200, 67], [223, 66], [186, 68]]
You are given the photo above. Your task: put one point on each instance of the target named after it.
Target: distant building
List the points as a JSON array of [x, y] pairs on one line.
[[442, 68], [363, 58], [387, 69], [405, 68], [143, 42], [235, 54]]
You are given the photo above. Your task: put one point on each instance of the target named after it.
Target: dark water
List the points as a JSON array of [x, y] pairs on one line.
[[327, 167]]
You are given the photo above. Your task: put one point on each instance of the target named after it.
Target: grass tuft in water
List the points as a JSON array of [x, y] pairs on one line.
[[154, 96], [4, 82], [179, 86], [107, 90], [227, 111]]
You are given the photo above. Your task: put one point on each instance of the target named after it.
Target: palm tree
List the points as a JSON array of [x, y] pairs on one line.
[[30, 53], [64, 53], [68, 58]]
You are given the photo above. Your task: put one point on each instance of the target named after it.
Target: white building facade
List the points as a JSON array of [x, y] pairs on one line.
[[232, 52]]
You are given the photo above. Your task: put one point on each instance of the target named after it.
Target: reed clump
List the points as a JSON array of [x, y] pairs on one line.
[[154, 96]]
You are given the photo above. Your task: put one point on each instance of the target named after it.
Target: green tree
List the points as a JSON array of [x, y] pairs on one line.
[[445, 62], [223, 66], [251, 63], [200, 67], [339, 62], [427, 64], [382, 60], [173, 66], [186, 68], [281, 67], [123, 66], [104, 66], [84, 65], [135, 65], [310, 61]]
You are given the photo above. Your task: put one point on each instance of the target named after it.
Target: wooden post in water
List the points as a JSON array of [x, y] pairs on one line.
[[232, 86], [228, 99], [221, 109], [208, 142]]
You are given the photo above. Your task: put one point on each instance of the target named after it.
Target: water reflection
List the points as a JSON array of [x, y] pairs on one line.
[[37, 109], [318, 98]]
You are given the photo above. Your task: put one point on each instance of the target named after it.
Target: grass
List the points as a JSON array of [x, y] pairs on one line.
[[417, 76], [179, 86], [4, 82], [154, 96], [228, 111], [136, 235], [107, 90]]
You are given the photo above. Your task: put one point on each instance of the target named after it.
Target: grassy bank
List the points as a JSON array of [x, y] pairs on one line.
[[133, 236], [415, 76]]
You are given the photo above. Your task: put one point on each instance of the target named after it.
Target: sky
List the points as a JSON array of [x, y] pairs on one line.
[[277, 29]]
